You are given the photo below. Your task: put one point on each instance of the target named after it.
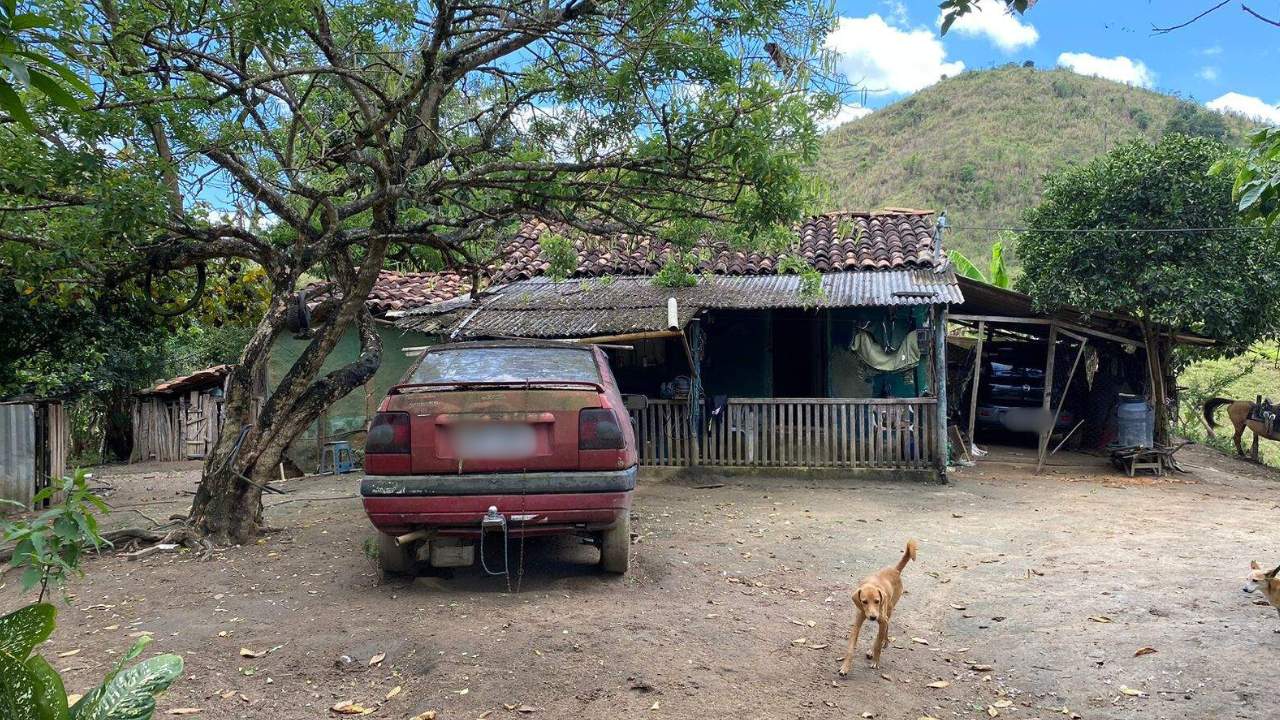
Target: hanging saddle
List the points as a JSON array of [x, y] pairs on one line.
[[1265, 412]]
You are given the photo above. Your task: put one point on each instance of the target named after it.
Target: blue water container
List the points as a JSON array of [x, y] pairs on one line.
[[1135, 422]]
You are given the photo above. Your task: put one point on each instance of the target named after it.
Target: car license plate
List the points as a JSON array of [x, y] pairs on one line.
[[494, 441]]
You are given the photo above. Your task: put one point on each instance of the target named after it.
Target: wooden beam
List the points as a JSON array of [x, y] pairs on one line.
[[1048, 389], [1061, 401], [977, 376], [1047, 321]]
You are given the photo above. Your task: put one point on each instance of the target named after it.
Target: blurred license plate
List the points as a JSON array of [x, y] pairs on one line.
[[494, 441]]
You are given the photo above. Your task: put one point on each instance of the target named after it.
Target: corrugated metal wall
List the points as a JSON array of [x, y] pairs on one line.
[[17, 453]]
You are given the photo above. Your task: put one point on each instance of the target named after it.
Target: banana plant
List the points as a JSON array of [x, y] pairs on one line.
[[997, 271], [30, 689]]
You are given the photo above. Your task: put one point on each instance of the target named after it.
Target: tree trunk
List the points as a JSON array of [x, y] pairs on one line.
[[227, 508], [1156, 363]]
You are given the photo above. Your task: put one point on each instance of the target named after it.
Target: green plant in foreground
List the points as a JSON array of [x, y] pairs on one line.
[[50, 545], [30, 689]]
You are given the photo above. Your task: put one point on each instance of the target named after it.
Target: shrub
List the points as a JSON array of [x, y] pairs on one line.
[[51, 545]]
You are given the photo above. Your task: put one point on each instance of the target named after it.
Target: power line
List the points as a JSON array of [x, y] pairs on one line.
[[1126, 231]]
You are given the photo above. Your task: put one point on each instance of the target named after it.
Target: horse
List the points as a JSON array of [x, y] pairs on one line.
[[1239, 412]]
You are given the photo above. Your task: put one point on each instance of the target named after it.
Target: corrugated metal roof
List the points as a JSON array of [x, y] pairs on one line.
[[538, 307]]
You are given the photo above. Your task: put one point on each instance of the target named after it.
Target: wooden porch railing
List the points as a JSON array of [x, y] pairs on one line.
[[793, 432]]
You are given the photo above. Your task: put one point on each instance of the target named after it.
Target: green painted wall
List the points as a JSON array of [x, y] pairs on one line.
[[347, 416]]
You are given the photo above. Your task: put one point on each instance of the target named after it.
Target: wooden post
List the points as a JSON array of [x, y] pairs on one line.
[[1058, 411], [940, 383], [693, 348], [977, 376], [1048, 388]]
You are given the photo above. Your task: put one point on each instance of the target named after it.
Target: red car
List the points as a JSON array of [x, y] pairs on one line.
[[488, 441]]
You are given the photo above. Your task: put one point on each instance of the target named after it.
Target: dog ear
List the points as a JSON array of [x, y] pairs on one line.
[[1253, 565], [1272, 574]]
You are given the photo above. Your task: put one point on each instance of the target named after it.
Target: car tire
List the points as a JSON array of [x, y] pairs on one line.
[[394, 560], [615, 545]]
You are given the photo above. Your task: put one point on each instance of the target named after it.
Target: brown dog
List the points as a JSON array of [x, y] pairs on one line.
[[874, 600], [1265, 581]]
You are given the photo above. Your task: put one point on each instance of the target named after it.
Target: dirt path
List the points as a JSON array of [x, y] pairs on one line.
[[1032, 594]]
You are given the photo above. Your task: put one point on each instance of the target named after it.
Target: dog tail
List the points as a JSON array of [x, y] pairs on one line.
[[907, 556], [1210, 406]]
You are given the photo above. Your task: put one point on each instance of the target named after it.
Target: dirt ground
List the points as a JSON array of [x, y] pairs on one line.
[[1030, 598]]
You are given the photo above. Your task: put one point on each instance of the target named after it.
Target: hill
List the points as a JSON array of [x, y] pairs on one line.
[[978, 145]]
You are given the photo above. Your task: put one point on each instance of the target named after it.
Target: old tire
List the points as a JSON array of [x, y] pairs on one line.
[[394, 560], [615, 545]]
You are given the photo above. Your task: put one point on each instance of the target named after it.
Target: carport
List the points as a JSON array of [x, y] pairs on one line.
[[1118, 343]]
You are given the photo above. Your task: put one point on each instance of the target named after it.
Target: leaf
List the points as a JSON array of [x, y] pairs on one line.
[[18, 690], [54, 91], [1100, 618], [131, 693], [377, 659], [427, 715], [939, 684], [69, 653], [247, 653], [1144, 651], [50, 694], [24, 628], [29, 21], [394, 692], [965, 267], [185, 711], [348, 707], [1125, 689], [921, 641], [1002, 703]]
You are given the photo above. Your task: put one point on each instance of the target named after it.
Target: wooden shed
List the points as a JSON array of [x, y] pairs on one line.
[[35, 437], [179, 419]]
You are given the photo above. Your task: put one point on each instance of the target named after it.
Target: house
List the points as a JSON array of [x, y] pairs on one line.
[[750, 366], [348, 418]]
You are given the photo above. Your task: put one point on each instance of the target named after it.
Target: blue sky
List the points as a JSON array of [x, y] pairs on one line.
[[1226, 60]]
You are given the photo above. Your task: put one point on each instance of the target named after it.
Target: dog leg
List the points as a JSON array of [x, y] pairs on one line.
[[853, 641], [881, 637]]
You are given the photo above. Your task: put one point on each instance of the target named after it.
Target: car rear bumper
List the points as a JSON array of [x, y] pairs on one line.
[[540, 514], [534, 483]]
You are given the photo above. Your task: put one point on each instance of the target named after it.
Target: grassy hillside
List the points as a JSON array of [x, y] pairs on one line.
[[978, 145]]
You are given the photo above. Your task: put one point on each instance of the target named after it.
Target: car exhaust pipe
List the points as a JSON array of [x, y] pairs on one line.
[[409, 537]]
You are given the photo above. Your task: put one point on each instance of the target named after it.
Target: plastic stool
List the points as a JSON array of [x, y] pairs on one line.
[[337, 458]]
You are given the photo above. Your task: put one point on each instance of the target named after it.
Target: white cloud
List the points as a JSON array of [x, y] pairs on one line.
[[884, 58], [1215, 50], [998, 24], [897, 12], [1251, 107], [843, 115], [1118, 68], [1208, 72]]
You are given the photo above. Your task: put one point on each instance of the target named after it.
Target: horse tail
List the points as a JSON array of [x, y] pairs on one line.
[[1211, 405]]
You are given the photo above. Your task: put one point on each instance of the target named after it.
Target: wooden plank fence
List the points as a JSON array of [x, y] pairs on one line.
[[793, 432]]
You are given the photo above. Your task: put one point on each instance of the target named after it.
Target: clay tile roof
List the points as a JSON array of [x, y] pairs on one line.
[[891, 239], [402, 291]]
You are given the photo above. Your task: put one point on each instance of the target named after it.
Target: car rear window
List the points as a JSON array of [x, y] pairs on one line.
[[507, 364]]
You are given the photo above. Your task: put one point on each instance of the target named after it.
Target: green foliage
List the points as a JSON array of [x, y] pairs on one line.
[[1257, 177], [26, 65], [30, 689], [677, 270], [1254, 372], [1190, 119], [1216, 282], [560, 253], [50, 546], [964, 133], [997, 273], [810, 278]]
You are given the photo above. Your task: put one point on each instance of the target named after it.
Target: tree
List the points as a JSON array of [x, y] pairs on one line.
[[1146, 230], [26, 65], [344, 133]]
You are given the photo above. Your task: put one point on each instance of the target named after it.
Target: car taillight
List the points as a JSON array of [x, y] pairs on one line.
[[388, 433], [598, 429]]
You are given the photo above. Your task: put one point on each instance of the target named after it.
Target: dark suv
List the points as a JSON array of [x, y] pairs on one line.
[[1011, 390], [500, 440]]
